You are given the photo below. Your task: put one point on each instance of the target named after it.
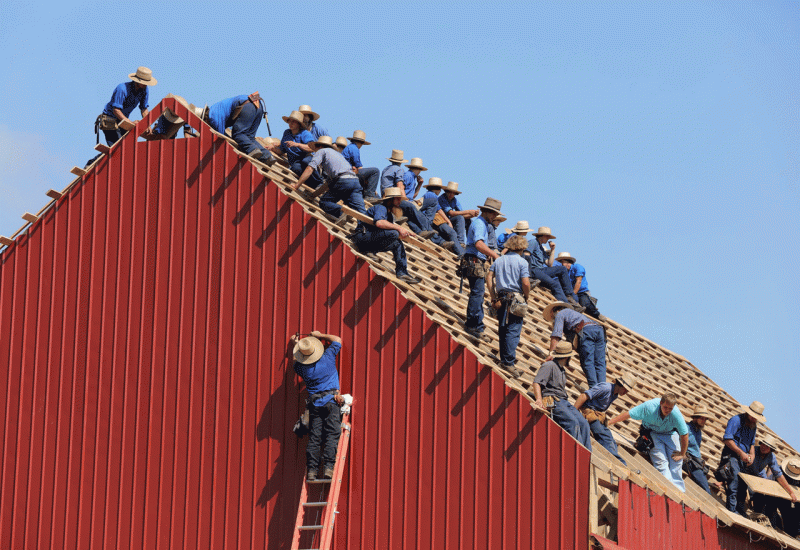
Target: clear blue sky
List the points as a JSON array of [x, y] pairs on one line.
[[659, 140]]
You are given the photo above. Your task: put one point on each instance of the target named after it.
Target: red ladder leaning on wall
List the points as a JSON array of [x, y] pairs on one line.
[[322, 532]]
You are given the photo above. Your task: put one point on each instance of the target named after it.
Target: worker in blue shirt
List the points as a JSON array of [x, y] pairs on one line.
[[473, 266], [309, 118], [765, 465], [165, 123], [243, 114], [453, 210], [493, 241], [295, 145], [739, 450], [368, 177], [412, 180], [316, 365], [594, 403], [577, 276], [591, 339], [694, 463], [668, 431], [433, 212], [554, 278], [393, 177]]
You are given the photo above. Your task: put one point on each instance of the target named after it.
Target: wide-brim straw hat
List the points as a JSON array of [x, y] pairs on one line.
[[520, 227], [416, 162], [296, 116], [172, 118], [769, 441], [756, 410], [391, 193], [143, 75], [544, 231], [627, 381], [397, 156], [324, 141], [434, 183], [701, 411], [452, 187], [565, 256], [360, 136], [306, 110], [201, 113], [563, 349], [791, 467], [492, 205], [341, 142], [308, 350], [548, 311]]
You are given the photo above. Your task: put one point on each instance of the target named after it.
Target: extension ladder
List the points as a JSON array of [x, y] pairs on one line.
[[325, 503]]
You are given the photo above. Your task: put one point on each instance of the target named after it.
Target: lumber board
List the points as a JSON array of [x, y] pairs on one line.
[[5, 241], [30, 218], [102, 148], [765, 486], [53, 194], [78, 171]]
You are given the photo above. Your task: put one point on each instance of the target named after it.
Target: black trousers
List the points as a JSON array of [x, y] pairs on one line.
[[326, 427]]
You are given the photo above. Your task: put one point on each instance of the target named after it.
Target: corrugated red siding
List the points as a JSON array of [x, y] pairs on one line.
[[654, 522], [147, 401]]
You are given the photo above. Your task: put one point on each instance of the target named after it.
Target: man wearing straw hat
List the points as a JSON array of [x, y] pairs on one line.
[[591, 339], [790, 511], [243, 115], [509, 288], [452, 209], [369, 177], [739, 450], [295, 145], [765, 465], [412, 180], [309, 122], [473, 266], [492, 241], [433, 212], [520, 228], [385, 235], [550, 392], [343, 185], [577, 276], [668, 431], [317, 367], [555, 278], [340, 144], [594, 403], [393, 177], [694, 465]]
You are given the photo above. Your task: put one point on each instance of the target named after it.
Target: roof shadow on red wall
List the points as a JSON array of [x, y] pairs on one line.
[[273, 225]]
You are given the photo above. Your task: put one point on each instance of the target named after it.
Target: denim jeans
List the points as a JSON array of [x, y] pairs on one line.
[[112, 136], [369, 178], [585, 301], [477, 287], [736, 490], [460, 227], [298, 166], [245, 127], [556, 280], [573, 422], [661, 458], [592, 352], [449, 234], [697, 475], [380, 240], [417, 221], [603, 436], [509, 330], [325, 429], [347, 190]]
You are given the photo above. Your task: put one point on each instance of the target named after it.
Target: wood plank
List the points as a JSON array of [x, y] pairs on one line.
[[30, 218], [5, 241], [53, 194], [765, 486], [126, 125], [78, 171], [102, 148]]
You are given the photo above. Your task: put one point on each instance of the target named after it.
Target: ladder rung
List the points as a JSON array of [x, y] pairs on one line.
[[315, 504], [317, 481], [310, 527]]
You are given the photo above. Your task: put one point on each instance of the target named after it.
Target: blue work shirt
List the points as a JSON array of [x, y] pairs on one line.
[[508, 271], [538, 255], [430, 205], [353, 155], [377, 212], [447, 205], [478, 231], [390, 176], [322, 375], [219, 114], [316, 131], [649, 413], [600, 396], [502, 238], [695, 440], [410, 183], [294, 154], [576, 271], [125, 97], [760, 464], [332, 162], [569, 319], [491, 241], [741, 434]]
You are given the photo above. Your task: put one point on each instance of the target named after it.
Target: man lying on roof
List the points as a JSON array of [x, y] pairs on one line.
[[243, 114]]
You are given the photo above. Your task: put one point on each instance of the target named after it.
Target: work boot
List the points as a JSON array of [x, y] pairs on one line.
[[513, 370], [476, 335], [371, 198], [311, 475], [575, 305], [372, 256], [602, 318], [408, 278], [426, 234], [535, 283], [328, 473], [449, 245]]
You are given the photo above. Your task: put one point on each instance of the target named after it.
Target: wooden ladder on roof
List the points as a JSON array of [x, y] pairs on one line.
[[321, 511]]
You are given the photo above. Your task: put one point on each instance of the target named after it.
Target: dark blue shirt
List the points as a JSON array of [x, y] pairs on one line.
[[430, 205], [125, 97], [294, 154], [377, 212], [219, 114], [600, 396], [695, 440], [760, 463], [447, 205], [390, 176], [410, 183], [741, 434], [538, 256], [316, 131], [353, 155], [322, 375], [478, 231]]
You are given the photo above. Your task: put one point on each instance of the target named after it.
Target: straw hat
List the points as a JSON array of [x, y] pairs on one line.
[[769, 441], [499, 219], [358, 135], [492, 205], [521, 227], [201, 113], [143, 75], [306, 110], [397, 156], [416, 162], [324, 141], [756, 410], [308, 350], [391, 193], [563, 349], [565, 256], [548, 311], [294, 115], [701, 411], [452, 187], [791, 467], [434, 183], [544, 231], [341, 142], [627, 381], [172, 118]]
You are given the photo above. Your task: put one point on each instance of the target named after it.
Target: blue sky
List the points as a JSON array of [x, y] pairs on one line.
[[659, 140]]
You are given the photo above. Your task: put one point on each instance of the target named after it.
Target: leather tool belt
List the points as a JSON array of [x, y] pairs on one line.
[[591, 415]]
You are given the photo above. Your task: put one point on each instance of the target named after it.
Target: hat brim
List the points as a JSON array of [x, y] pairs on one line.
[[548, 311], [484, 208], [314, 116], [456, 191], [542, 234], [432, 186], [760, 417], [286, 119], [707, 416], [786, 471], [566, 258], [361, 141], [321, 144], [319, 349], [768, 444], [151, 82], [519, 230], [422, 168], [396, 161]]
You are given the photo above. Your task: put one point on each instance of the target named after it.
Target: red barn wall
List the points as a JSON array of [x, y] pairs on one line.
[[146, 399]]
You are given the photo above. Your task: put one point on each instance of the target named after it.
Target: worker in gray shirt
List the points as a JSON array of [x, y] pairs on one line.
[[591, 339]]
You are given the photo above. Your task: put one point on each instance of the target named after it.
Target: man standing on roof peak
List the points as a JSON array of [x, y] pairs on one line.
[[243, 114]]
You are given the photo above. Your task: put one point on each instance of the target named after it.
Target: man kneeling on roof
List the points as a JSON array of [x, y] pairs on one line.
[[591, 339], [509, 287], [694, 465], [243, 114], [550, 392], [385, 234], [663, 424], [343, 185], [765, 465], [317, 367], [594, 404]]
